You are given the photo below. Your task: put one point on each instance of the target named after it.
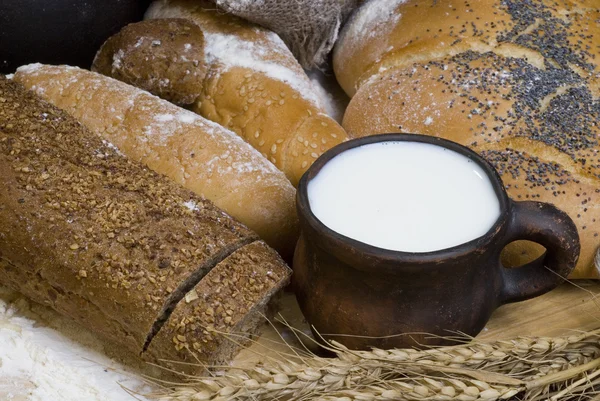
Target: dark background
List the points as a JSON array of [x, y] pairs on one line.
[[60, 31]]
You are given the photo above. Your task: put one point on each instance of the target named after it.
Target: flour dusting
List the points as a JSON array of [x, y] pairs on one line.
[[40, 363], [229, 51], [374, 18]]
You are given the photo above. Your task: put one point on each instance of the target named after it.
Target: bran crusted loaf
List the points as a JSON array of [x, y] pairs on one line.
[[108, 242], [165, 57], [194, 152], [517, 81], [255, 87]]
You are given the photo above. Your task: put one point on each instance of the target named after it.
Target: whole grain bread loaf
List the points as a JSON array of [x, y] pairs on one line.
[[115, 246], [165, 57], [517, 81]]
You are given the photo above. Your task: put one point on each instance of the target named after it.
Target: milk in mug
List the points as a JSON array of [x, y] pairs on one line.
[[404, 196]]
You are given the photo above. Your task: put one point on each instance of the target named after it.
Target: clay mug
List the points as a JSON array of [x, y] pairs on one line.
[[364, 296]]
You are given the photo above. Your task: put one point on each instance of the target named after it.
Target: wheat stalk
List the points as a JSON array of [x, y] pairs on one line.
[[528, 367]]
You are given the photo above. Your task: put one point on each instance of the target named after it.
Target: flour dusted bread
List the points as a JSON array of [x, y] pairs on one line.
[[515, 81], [253, 86], [110, 243], [196, 153]]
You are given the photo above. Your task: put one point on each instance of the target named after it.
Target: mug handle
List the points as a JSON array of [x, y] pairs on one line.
[[549, 226]]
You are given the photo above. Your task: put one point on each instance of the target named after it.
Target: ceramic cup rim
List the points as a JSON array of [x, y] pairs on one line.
[[307, 217]]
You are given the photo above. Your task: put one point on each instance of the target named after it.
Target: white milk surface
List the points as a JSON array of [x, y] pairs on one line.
[[404, 196]]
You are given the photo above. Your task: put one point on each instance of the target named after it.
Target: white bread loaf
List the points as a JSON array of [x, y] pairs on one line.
[[196, 153], [516, 81], [254, 86]]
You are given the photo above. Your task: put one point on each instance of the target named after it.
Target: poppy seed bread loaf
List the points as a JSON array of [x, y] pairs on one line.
[[517, 81]]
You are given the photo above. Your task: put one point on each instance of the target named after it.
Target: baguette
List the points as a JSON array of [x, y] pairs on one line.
[[515, 81], [113, 245], [253, 84], [194, 152]]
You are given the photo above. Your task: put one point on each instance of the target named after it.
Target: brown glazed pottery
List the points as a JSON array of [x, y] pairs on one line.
[[363, 296]]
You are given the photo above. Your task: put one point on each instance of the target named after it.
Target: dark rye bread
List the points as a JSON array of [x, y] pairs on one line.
[[100, 238], [517, 81], [231, 299]]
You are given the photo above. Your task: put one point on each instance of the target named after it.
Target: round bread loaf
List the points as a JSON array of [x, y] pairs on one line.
[[165, 57], [517, 81]]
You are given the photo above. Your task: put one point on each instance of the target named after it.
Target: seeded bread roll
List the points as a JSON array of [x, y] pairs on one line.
[[516, 81], [255, 87], [110, 243], [196, 153], [165, 57]]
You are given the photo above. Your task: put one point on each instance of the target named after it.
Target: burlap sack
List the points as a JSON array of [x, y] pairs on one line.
[[308, 27]]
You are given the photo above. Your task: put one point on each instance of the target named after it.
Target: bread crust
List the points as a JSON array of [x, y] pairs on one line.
[[518, 83]]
